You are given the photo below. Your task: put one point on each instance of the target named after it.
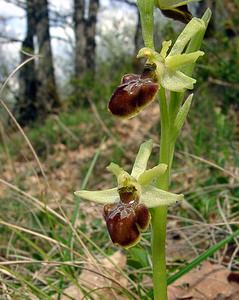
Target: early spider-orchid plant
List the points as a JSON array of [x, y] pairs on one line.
[[143, 196]]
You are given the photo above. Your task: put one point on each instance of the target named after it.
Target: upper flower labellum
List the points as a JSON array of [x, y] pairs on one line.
[[180, 13], [170, 66], [175, 9], [133, 94], [126, 206], [167, 4]]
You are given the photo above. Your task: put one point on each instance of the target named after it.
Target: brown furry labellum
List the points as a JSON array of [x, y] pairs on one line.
[[126, 219], [134, 93]]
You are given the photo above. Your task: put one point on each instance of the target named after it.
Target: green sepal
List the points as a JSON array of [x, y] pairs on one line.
[[142, 158], [154, 197], [105, 196], [176, 81], [177, 61], [149, 175]]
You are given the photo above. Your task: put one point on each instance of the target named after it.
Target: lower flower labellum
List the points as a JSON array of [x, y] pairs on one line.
[[133, 94], [126, 219]]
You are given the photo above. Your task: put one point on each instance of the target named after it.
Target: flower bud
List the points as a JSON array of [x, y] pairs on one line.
[[134, 93]]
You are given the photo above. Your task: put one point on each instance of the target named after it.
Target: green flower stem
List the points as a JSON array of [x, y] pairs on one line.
[[159, 215], [146, 9], [163, 181], [159, 223]]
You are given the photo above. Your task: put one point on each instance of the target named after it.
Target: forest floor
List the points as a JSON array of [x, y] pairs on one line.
[[65, 152]]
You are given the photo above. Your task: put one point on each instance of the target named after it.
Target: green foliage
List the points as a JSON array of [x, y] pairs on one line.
[[216, 127], [97, 88], [63, 129], [220, 70], [138, 257]]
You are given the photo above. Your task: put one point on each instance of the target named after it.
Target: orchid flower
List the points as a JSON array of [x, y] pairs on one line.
[[170, 67], [126, 206], [135, 92]]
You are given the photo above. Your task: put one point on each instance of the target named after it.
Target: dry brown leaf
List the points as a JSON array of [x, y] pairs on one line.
[[209, 282], [178, 247], [137, 128], [102, 278]]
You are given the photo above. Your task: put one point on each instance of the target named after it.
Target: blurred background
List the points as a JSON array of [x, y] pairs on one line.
[[60, 62], [82, 46]]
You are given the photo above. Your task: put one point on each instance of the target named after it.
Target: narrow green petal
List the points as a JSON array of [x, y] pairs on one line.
[[142, 158], [153, 197], [174, 62], [145, 52], [151, 174], [150, 54], [165, 47], [104, 196], [192, 28], [123, 177], [115, 169], [176, 81]]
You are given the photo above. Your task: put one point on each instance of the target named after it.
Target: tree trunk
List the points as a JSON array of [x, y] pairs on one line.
[[80, 37], [47, 97], [85, 32], [85, 48], [26, 109], [90, 51]]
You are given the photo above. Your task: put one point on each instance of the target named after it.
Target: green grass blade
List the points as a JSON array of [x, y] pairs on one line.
[[202, 257], [26, 282], [84, 184], [70, 242]]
